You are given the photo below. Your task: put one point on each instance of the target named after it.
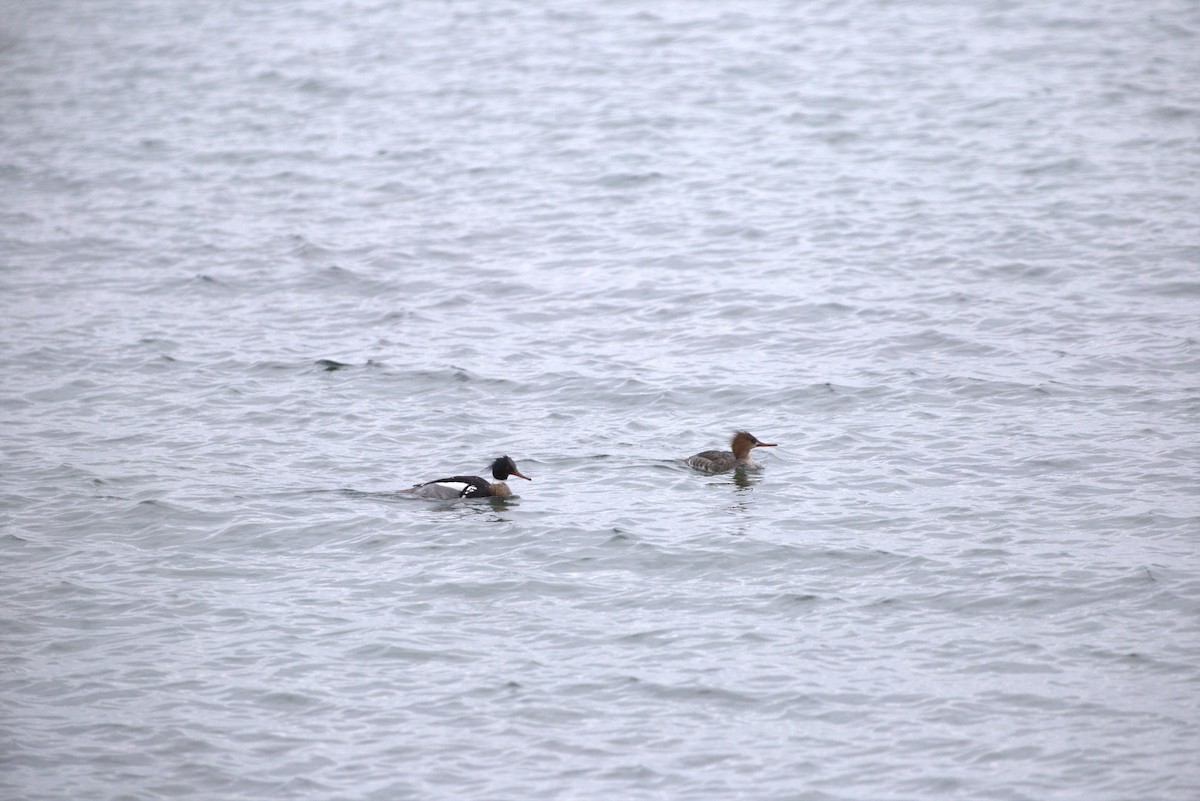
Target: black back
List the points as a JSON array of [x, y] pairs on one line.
[[476, 486]]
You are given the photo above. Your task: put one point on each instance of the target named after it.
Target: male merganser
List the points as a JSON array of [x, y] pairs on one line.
[[472, 486], [724, 461]]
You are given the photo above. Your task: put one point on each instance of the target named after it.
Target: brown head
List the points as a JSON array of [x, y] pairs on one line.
[[743, 441]]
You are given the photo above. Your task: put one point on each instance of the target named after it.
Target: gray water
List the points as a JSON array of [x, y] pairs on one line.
[[265, 264]]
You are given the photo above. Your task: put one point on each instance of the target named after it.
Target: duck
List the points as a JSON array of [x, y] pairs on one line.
[[472, 486], [724, 461]]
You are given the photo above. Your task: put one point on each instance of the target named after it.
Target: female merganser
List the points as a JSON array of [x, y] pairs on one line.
[[472, 486], [724, 461]]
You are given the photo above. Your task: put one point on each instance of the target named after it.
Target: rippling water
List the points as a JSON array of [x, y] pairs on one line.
[[265, 264]]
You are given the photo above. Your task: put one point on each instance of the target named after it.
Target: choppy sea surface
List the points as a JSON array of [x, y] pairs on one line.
[[263, 265]]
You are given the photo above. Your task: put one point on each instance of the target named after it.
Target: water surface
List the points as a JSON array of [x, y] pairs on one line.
[[263, 266]]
